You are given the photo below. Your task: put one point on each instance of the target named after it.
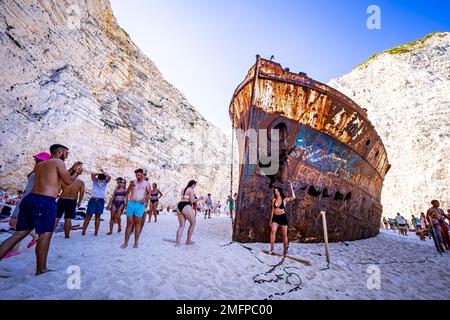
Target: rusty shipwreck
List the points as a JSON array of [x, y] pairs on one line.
[[327, 147]]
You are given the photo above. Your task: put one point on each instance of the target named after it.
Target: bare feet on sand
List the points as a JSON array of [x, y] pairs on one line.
[[41, 272], [125, 245]]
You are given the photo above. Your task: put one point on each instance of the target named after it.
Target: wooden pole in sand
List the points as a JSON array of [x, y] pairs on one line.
[[325, 235]]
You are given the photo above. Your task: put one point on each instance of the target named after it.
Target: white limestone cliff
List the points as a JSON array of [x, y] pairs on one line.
[[69, 74], [407, 93]]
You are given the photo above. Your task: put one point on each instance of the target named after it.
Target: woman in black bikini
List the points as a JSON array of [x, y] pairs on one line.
[[155, 195], [279, 218], [117, 205], [185, 212]]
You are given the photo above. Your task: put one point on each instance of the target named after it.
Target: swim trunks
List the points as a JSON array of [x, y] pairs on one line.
[[37, 212], [135, 208], [95, 206], [67, 207]]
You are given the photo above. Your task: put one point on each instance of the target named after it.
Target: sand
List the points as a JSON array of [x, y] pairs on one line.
[[214, 268]]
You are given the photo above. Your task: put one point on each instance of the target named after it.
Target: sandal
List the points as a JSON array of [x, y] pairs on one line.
[[9, 255], [31, 243]]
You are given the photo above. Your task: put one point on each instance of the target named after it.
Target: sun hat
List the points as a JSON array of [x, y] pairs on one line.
[[43, 156]]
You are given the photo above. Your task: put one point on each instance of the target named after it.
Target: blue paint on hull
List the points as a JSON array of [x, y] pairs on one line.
[[325, 153]]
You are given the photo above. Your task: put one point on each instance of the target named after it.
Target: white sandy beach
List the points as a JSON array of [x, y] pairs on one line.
[[211, 269]]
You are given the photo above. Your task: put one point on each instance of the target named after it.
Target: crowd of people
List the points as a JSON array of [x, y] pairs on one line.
[[434, 225], [54, 192]]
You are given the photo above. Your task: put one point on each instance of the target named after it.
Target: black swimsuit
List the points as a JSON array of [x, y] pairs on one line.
[[183, 204], [280, 219]]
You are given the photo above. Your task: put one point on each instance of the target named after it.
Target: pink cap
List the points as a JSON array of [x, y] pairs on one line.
[[42, 156]]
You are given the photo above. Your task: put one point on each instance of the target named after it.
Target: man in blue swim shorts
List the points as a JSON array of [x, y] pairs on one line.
[[96, 203], [138, 194], [38, 209]]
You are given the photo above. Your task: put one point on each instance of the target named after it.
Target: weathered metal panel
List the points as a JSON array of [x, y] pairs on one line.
[[332, 154]]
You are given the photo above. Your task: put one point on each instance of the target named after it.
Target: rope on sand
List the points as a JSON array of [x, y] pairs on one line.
[[278, 277]]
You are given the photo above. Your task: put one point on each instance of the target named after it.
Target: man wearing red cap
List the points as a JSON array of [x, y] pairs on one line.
[[38, 209], [43, 156]]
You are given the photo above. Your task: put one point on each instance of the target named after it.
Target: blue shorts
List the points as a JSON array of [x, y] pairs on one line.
[[95, 206], [135, 208], [37, 212]]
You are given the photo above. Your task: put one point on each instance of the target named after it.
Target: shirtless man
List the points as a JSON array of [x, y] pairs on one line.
[[138, 194], [38, 209], [67, 204]]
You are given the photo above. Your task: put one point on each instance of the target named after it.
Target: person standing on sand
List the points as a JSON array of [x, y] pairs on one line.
[[138, 194], [155, 195], [117, 204], [67, 204], [401, 224], [385, 223], [38, 158], [278, 218], [208, 206], [96, 203], [439, 216], [186, 212], [230, 202], [435, 229], [38, 209]]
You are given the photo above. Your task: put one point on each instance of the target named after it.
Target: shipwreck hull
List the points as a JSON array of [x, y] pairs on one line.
[[328, 149]]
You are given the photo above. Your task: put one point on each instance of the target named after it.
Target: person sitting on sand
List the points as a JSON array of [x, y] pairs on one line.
[[138, 194], [96, 203], [186, 212], [38, 158], [278, 218], [38, 209], [67, 204], [117, 205]]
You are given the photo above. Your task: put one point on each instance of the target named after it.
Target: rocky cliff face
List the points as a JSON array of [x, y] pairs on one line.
[[407, 93], [71, 75]]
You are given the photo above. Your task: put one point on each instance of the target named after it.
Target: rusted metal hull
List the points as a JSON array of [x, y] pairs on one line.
[[330, 151]]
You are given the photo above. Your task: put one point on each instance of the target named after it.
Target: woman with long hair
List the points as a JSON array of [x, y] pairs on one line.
[[186, 212], [43, 156], [155, 195], [278, 217], [117, 205]]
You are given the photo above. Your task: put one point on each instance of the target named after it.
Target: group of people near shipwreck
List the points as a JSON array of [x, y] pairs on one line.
[[39, 211], [54, 192], [433, 225]]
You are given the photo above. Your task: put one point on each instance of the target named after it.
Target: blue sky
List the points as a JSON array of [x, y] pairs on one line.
[[205, 47]]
